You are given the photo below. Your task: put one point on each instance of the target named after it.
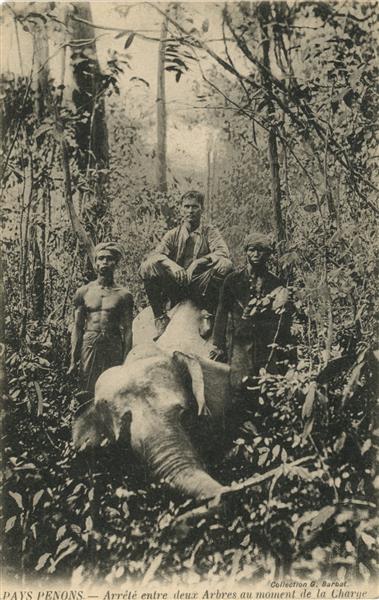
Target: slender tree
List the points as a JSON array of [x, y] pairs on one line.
[[264, 12], [91, 128], [42, 103], [161, 112]]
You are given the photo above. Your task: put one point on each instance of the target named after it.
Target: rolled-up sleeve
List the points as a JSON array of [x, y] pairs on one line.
[[217, 245]]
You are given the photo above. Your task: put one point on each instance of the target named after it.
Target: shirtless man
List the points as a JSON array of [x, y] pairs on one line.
[[102, 333]]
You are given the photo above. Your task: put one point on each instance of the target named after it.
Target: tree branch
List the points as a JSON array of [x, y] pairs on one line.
[[211, 505]]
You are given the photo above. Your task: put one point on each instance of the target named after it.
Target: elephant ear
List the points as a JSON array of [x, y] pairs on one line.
[[97, 425], [194, 371]]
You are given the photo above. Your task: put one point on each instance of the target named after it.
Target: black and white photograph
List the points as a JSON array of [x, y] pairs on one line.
[[188, 302]]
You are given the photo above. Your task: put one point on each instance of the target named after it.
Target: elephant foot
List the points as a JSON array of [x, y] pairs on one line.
[[160, 325]]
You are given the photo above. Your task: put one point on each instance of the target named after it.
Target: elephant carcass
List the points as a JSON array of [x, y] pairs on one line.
[[182, 334], [142, 402]]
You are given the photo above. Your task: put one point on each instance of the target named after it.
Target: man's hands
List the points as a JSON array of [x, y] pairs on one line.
[[194, 265], [183, 276], [180, 274], [217, 354]]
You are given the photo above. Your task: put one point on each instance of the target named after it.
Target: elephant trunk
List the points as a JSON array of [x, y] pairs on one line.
[[172, 457]]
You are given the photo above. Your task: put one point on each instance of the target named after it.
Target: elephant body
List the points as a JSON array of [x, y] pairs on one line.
[[144, 401]]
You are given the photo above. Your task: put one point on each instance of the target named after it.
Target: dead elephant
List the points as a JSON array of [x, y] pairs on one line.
[[145, 400]]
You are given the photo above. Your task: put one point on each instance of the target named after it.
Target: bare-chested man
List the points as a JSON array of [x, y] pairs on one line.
[[102, 332]]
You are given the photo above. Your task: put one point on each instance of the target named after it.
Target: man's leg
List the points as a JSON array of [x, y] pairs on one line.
[[152, 273], [205, 286], [160, 286]]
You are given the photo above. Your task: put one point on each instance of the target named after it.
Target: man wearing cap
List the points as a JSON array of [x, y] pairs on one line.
[[102, 332], [191, 261], [255, 300]]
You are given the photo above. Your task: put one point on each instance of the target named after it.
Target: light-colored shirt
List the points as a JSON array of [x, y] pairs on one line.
[[179, 244]]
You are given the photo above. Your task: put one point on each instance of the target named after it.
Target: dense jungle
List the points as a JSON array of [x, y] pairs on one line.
[[109, 112]]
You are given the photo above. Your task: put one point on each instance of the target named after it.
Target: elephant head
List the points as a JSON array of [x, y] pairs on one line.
[[182, 334], [142, 402]]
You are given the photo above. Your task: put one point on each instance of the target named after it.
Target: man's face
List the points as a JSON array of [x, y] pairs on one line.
[[191, 211], [257, 255], [105, 262]]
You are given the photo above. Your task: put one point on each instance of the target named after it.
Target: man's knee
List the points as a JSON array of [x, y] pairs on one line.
[[149, 268], [223, 266]]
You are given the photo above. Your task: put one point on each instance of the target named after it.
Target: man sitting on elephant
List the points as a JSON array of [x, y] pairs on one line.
[[102, 333], [191, 261], [257, 303]]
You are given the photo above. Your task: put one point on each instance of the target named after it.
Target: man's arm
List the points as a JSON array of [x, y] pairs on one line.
[[217, 245], [127, 323], [164, 253], [165, 250], [77, 330]]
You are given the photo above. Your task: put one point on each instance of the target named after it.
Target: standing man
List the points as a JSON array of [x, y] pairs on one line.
[[191, 261], [255, 299], [102, 332]]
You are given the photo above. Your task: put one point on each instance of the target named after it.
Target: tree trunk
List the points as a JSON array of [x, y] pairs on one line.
[[3, 372], [161, 113], [91, 128], [77, 226], [264, 12], [42, 109], [210, 175]]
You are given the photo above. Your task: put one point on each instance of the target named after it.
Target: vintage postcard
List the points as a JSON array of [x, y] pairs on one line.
[[189, 359]]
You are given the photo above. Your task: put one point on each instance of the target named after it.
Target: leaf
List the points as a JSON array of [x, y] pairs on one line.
[[35, 15], [155, 564], [42, 561], [89, 524], [140, 79], [61, 531], [178, 76], [17, 498], [42, 129], [368, 539], [263, 457], [119, 571], [315, 521], [311, 208], [37, 497], [366, 446], [120, 35], [353, 382], [10, 523], [69, 550], [340, 442], [364, 571], [78, 487], [309, 400], [63, 545], [275, 451], [129, 40], [307, 429]]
